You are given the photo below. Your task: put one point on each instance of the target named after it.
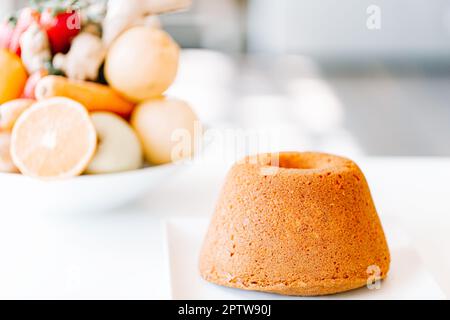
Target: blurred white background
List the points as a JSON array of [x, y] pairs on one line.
[[321, 75]]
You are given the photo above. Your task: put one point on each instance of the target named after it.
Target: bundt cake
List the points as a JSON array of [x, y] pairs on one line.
[[295, 224]]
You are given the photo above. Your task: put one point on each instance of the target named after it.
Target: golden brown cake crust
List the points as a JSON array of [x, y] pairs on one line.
[[304, 226]]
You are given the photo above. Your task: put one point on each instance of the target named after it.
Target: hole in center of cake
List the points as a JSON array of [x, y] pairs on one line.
[[295, 161], [301, 161], [292, 163]]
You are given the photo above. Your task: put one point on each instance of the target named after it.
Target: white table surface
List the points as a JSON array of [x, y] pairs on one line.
[[120, 254]]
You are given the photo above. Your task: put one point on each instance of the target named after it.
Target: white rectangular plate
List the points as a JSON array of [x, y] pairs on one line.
[[408, 278]]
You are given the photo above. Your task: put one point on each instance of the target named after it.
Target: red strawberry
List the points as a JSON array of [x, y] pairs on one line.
[[61, 28]]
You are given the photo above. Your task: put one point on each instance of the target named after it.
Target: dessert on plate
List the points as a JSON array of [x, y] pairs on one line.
[[295, 224]]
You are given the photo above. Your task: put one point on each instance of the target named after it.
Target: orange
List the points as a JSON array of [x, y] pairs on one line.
[[54, 139], [13, 76], [10, 112]]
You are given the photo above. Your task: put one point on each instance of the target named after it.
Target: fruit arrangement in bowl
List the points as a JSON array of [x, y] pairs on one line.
[[82, 89], [84, 122]]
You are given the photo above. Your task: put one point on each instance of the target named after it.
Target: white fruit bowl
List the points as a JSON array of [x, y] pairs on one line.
[[82, 194]]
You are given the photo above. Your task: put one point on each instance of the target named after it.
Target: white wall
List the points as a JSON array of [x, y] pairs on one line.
[[332, 28]]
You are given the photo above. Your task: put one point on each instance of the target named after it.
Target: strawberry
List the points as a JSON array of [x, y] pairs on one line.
[[61, 27]]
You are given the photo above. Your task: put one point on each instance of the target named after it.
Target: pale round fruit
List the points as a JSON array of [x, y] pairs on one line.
[[54, 139], [166, 128], [119, 148], [6, 163], [142, 63], [11, 111]]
